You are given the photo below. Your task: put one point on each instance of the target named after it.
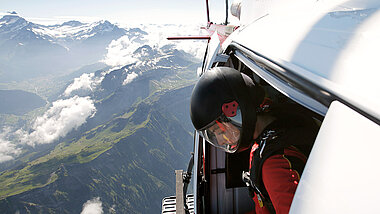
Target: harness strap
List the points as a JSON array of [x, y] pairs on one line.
[[252, 188]]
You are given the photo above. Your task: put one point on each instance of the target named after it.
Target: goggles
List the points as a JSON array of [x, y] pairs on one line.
[[224, 132]]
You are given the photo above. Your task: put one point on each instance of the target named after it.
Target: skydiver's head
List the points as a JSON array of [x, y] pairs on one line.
[[223, 108]]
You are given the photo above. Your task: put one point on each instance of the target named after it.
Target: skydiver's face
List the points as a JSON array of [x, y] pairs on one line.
[[225, 133]]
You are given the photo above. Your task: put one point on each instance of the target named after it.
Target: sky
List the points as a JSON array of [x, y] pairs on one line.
[[117, 11]]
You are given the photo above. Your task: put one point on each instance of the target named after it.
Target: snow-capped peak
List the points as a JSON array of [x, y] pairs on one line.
[[103, 25], [13, 23], [11, 19], [75, 30], [72, 23]]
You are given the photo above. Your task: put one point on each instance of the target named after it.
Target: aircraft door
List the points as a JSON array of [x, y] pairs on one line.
[[342, 174]]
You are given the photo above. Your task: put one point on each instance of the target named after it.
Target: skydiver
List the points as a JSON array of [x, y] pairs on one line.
[[229, 110]]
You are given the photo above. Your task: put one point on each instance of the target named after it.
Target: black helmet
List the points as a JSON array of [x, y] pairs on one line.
[[223, 108]]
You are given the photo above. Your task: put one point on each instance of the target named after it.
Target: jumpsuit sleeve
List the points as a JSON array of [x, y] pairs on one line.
[[280, 181]]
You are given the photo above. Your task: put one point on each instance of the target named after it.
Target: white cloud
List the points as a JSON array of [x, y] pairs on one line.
[[195, 48], [7, 149], [120, 51], [62, 117], [93, 206], [129, 78], [86, 82], [158, 34]]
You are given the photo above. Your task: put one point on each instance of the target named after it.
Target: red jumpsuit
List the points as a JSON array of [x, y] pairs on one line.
[[276, 162], [280, 180]]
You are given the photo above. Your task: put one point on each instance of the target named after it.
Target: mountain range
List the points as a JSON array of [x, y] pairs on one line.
[[29, 50], [114, 135]]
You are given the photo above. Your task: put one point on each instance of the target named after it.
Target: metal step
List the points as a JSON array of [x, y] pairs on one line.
[[169, 204]]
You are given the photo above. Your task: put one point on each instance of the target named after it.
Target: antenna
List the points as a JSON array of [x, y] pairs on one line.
[[208, 12], [226, 23]]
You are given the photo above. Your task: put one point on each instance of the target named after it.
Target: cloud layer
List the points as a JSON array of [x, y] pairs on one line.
[[121, 51]]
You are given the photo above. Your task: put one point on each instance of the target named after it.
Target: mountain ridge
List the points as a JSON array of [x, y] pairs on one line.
[[29, 50]]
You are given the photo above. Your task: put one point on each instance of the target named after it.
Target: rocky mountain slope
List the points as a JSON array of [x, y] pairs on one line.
[[128, 162]]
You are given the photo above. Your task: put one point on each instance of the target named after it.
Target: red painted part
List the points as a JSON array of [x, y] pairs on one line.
[[222, 38], [221, 30], [204, 162], [253, 149], [229, 109], [189, 37]]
